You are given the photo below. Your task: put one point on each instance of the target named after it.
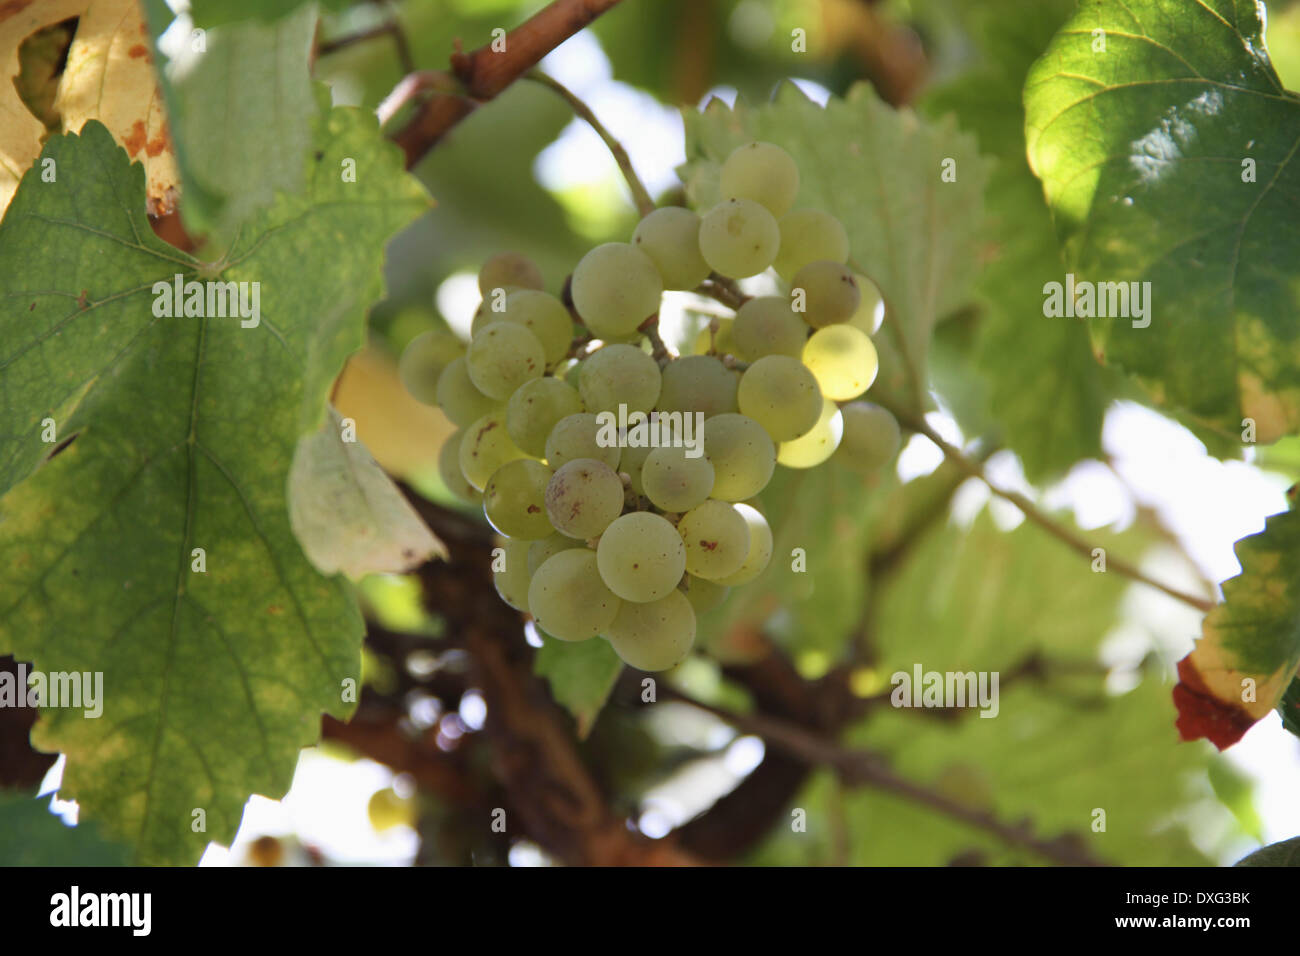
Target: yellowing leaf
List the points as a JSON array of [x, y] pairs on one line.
[[110, 78], [346, 512], [20, 131]]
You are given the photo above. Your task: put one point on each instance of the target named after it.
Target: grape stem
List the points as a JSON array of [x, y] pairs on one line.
[[640, 195], [1034, 514], [723, 290]]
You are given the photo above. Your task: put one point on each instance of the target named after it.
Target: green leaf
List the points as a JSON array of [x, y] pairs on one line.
[[581, 676], [30, 835], [1142, 149], [184, 429], [1286, 853], [1049, 391], [1249, 650], [1289, 707], [211, 13], [877, 169]]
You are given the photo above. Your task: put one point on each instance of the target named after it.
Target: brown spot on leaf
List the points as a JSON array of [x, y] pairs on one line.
[[138, 51], [136, 139], [275, 610], [1201, 714]]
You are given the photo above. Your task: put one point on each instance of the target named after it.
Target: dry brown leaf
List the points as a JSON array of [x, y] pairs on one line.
[[110, 78]]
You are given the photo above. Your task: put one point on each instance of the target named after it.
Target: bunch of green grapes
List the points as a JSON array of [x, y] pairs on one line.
[[623, 479]]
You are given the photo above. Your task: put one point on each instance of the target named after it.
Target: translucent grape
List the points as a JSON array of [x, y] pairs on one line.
[[583, 435], [739, 238], [514, 499], [675, 482], [485, 448], [871, 310], [766, 325], [510, 574], [742, 454], [543, 548], [449, 469], [502, 357], [843, 360], [760, 548], [704, 594], [568, 599], [641, 557], [763, 172], [698, 383], [546, 317], [632, 462], [810, 450], [655, 636], [458, 398], [535, 408], [619, 374], [671, 238], [716, 537], [780, 394], [871, 437], [423, 361], [615, 288], [806, 236], [830, 293], [508, 270], [583, 497]]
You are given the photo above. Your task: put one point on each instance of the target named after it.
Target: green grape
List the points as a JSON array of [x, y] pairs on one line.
[[459, 399], [671, 238], [843, 360], [655, 636], [491, 309], [508, 270], [510, 573], [485, 448], [616, 375], [760, 548], [615, 288], [780, 394], [675, 482], [582, 435], [449, 469], [739, 238], [763, 172], [716, 536], [514, 499], [632, 462], [813, 448], [766, 325], [502, 357], [698, 383], [535, 408], [871, 437], [641, 557], [870, 311], [704, 594], [387, 810], [716, 343], [742, 454], [543, 548], [829, 293], [806, 236], [567, 598], [423, 361], [583, 497], [546, 317]]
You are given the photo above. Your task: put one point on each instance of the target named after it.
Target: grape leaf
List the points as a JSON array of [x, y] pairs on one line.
[[1249, 650], [1286, 853], [211, 13], [346, 512], [216, 664], [878, 170], [1167, 147], [30, 835], [581, 676], [1049, 391], [110, 77]]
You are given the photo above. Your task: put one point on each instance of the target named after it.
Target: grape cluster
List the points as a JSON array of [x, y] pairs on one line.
[[623, 537]]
